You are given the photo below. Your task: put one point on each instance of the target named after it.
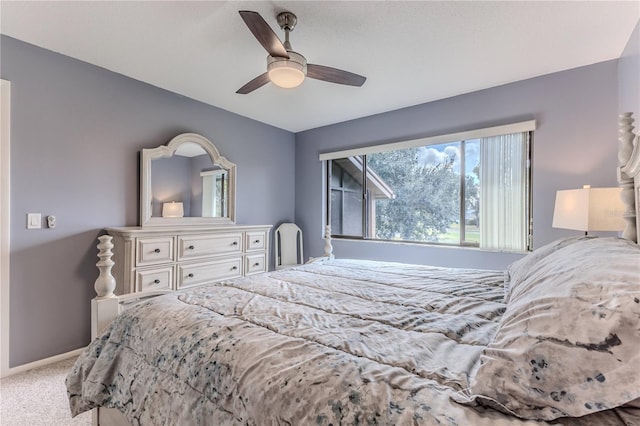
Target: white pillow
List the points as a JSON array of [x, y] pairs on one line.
[[519, 270], [569, 341]]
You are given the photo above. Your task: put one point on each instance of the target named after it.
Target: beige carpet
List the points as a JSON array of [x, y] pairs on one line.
[[38, 398]]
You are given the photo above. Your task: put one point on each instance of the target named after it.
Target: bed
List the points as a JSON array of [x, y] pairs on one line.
[[554, 339]]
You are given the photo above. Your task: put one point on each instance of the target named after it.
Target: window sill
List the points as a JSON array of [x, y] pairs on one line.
[[428, 245]]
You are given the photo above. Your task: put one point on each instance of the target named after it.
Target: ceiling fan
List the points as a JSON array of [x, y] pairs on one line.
[[286, 68]]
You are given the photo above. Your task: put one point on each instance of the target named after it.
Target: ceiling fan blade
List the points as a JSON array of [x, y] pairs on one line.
[[254, 84], [334, 75], [263, 32]]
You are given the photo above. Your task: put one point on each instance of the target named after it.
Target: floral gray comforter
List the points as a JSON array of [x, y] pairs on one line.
[[333, 342]]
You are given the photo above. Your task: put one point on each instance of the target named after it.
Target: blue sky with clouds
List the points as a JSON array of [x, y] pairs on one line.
[[436, 154]]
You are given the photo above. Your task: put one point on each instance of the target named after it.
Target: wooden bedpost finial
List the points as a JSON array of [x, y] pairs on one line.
[[106, 283], [625, 137], [626, 147], [328, 248]]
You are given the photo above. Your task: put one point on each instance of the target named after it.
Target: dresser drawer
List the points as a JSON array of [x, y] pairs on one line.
[[152, 251], [193, 247], [154, 279], [201, 273], [255, 240], [255, 264]]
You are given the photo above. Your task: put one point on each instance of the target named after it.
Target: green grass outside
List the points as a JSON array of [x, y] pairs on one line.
[[472, 234]]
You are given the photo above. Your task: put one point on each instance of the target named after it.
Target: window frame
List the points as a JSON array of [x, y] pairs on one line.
[[461, 137]]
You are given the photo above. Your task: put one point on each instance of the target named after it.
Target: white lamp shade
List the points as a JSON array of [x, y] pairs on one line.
[[172, 209], [589, 209]]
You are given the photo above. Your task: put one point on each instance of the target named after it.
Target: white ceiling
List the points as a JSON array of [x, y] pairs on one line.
[[410, 51]]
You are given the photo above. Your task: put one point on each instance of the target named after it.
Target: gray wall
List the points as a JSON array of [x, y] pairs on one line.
[[629, 77], [76, 132], [575, 144]]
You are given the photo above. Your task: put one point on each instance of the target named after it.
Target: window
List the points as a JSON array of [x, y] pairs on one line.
[[214, 190], [474, 191]]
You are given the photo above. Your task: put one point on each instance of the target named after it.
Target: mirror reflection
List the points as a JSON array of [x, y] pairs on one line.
[[188, 184]]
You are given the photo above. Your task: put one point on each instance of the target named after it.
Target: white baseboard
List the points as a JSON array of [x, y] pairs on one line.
[[42, 362]]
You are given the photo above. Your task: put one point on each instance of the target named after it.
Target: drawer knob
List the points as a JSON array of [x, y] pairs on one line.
[[256, 242], [190, 276], [156, 281], [191, 247], [235, 243], [156, 251], [256, 264], [233, 268]]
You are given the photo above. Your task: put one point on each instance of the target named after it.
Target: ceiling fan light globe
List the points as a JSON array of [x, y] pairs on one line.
[[286, 77], [287, 73]]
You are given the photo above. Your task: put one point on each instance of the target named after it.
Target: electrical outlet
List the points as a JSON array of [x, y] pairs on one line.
[[51, 221]]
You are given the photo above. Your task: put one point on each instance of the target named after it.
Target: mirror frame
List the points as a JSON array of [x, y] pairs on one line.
[[166, 151]]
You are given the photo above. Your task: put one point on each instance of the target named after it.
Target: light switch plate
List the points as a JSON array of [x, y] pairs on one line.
[[34, 220]]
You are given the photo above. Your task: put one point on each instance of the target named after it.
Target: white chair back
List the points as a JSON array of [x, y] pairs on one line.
[[288, 245]]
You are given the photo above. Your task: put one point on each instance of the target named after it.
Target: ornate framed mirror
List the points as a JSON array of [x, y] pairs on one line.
[[186, 182]]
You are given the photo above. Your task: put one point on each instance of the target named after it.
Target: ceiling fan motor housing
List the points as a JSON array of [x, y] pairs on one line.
[[287, 21], [287, 73]]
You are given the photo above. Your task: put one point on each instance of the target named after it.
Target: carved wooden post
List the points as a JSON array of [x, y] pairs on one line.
[[328, 248], [106, 283], [625, 148]]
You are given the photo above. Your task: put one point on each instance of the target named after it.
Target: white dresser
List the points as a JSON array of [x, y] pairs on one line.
[[171, 258]]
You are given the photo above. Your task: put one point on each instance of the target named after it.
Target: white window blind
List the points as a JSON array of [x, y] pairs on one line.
[[503, 195]]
